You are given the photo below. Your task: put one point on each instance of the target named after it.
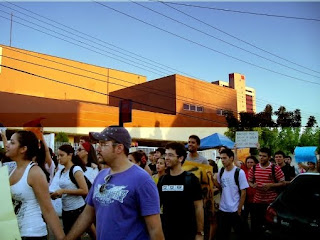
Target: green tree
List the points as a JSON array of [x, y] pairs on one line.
[[310, 137], [264, 118], [61, 137], [267, 137], [287, 140], [312, 122]]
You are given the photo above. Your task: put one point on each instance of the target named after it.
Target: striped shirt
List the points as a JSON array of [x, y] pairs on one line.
[[263, 176]]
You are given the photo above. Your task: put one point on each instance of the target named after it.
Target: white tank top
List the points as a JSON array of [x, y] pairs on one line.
[[70, 202], [27, 208]]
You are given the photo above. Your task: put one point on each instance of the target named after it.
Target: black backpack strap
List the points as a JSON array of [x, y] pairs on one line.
[[188, 179], [160, 181], [61, 171], [71, 176], [254, 173], [236, 178], [220, 175], [273, 169], [221, 172]]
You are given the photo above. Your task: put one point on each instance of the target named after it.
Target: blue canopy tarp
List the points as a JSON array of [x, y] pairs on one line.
[[215, 140]]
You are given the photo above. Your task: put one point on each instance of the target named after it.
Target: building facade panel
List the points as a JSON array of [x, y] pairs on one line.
[[47, 76], [154, 96]]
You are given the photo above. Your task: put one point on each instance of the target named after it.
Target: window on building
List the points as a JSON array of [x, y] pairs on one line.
[[192, 108], [220, 112], [199, 109]]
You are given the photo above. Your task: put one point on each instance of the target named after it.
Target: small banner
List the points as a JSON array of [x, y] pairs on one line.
[[247, 139], [9, 229]]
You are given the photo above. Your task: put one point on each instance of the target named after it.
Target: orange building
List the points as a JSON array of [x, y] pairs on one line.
[[68, 93], [246, 96]]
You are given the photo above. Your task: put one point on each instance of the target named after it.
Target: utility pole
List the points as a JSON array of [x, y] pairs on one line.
[[11, 29]]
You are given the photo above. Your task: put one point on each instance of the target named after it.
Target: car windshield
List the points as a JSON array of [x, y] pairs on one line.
[[303, 196]]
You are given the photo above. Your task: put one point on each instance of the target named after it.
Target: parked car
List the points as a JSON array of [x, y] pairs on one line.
[[295, 214]]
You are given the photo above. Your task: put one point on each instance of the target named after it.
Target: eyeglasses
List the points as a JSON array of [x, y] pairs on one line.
[[80, 149], [218, 157], [104, 186], [104, 144], [170, 155]]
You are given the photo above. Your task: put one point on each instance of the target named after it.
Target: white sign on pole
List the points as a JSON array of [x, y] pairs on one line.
[[247, 139]]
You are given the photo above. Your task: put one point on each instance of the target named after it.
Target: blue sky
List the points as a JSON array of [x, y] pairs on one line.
[[201, 56]]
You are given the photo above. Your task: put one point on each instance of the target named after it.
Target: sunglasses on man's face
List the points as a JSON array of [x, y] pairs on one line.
[[104, 185]]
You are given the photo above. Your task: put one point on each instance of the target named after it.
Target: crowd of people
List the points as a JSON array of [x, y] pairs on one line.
[[109, 192]]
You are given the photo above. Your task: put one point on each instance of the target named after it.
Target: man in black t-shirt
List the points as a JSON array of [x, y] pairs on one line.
[[181, 197], [287, 170]]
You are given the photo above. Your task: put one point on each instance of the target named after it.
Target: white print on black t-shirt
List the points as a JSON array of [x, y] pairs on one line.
[[172, 188], [110, 194]]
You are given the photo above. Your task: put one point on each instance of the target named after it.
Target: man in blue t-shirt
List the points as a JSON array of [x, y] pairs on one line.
[[123, 199]]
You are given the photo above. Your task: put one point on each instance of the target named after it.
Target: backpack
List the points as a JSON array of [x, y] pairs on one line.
[[72, 178], [236, 178]]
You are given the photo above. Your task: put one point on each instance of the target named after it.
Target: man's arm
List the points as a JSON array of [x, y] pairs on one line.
[[154, 227], [198, 204], [242, 199], [267, 186], [83, 222], [48, 158]]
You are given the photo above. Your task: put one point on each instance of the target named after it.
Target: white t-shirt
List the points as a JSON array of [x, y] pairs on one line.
[[70, 202], [91, 173], [230, 197]]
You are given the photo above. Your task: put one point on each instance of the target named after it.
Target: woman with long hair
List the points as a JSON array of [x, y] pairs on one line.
[[161, 169], [29, 189], [88, 156], [71, 196]]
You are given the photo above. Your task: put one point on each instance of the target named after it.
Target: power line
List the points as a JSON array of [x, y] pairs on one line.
[[219, 94], [92, 37], [246, 12], [73, 34], [63, 39], [108, 56], [221, 40], [206, 47], [95, 48], [233, 36]]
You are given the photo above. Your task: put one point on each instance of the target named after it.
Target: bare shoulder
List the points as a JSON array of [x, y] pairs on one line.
[[35, 174]]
